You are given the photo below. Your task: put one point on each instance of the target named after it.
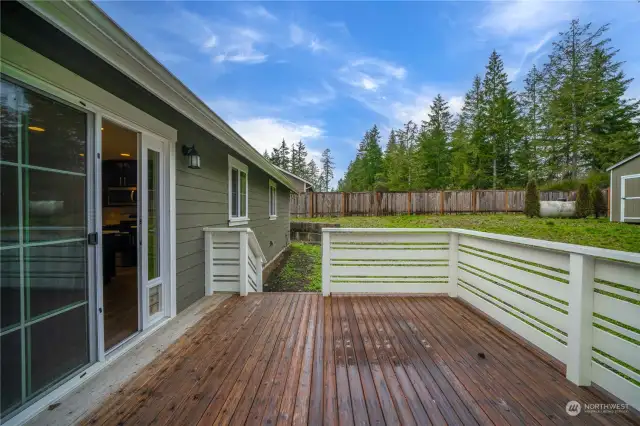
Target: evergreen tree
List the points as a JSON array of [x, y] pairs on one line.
[[275, 157], [327, 166], [474, 132], [461, 169], [532, 200], [569, 102], [583, 201], [313, 174], [500, 119], [283, 155], [433, 152], [612, 125], [393, 157], [531, 103], [298, 158], [407, 139], [598, 202], [266, 155], [371, 159]]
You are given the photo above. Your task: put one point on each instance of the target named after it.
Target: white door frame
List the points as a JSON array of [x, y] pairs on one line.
[[34, 70], [623, 181]]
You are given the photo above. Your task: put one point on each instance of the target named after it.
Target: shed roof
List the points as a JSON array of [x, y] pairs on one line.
[[626, 160]]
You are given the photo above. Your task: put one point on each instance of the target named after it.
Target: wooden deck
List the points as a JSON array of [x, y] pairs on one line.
[[301, 359]]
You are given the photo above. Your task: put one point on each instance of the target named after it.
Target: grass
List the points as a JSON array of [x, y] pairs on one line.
[[302, 270], [590, 231]]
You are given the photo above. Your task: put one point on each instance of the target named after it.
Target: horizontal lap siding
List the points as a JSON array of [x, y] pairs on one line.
[[201, 195]]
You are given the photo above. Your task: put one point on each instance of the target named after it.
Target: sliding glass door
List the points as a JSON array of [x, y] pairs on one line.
[[44, 262]]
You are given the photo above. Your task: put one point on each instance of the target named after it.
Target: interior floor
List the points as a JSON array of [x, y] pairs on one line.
[[120, 301]]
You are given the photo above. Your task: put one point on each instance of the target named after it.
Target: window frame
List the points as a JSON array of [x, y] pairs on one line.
[[274, 185], [233, 163]]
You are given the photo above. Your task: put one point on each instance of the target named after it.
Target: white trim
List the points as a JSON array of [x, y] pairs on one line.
[[89, 26], [624, 198], [273, 185], [626, 160], [241, 168], [610, 194], [551, 245], [81, 377], [34, 70]]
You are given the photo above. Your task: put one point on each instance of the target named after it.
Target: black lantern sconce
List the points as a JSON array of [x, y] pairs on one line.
[[194, 157]]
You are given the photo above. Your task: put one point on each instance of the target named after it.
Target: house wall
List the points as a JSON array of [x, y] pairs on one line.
[[201, 195], [630, 168]]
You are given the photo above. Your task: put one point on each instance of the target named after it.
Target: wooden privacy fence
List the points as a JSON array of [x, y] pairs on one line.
[[318, 204]]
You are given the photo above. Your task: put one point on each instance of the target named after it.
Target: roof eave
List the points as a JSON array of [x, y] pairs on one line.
[[626, 160]]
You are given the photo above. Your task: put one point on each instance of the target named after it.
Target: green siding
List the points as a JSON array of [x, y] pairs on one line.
[[201, 195]]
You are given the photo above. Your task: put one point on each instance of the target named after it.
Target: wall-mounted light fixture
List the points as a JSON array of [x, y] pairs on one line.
[[194, 157]]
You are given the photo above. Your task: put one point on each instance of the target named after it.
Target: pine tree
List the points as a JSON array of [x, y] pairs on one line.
[[598, 202], [283, 155], [569, 101], [531, 103], [407, 139], [327, 166], [433, 152], [532, 200], [266, 155], [299, 160], [612, 120], [583, 201], [461, 171], [474, 128], [275, 157], [313, 174], [371, 159], [393, 158], [500, 121]]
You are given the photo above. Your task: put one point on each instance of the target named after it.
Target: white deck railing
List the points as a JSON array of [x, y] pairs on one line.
[[233, 261], [579, 304]]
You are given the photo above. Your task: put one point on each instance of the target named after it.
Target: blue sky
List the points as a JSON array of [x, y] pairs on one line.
[[325, 72]]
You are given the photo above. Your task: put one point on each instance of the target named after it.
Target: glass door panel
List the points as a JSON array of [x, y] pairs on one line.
[[152, 238], [44, 326]]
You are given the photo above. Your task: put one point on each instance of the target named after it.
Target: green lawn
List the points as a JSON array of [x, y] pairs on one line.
[[590, 232], [302, 270]]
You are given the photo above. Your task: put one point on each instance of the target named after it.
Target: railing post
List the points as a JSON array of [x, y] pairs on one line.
[[244, 260], [208, 263], [581, 277], [259, 273], [326, 253], [453, 264]]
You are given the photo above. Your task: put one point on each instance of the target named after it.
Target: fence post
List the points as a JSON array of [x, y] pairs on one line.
[[326, 253], [580, 329], [506, 201], [208, 265], [441, 202], [244, 260], [343, 206], [453, 264]]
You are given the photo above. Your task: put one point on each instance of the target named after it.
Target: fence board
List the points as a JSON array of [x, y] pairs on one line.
[[319, 204]]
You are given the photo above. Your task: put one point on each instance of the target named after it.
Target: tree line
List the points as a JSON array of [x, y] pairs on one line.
[[294, 160], [569, 123]]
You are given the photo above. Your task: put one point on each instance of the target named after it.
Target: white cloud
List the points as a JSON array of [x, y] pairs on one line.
[[367, 83], [370, 74], [258, 12], [455, 104], [510, 18], [316, 98], [267, 132], [210, 42], [296, 33]]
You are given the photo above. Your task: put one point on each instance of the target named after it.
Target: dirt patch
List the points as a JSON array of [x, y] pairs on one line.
[[301, 270]]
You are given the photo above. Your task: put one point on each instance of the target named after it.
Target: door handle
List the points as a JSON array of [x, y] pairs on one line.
[[132, 200]]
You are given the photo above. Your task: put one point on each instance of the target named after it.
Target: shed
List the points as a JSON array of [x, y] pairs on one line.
[[625, 190]]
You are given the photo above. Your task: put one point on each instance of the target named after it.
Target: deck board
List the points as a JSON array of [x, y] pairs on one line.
[[304, 359]]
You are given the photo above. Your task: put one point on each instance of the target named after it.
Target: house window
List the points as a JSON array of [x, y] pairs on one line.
[[238, 192], [273, 196]]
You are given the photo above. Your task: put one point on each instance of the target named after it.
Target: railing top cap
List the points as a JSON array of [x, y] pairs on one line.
[[544, 244]]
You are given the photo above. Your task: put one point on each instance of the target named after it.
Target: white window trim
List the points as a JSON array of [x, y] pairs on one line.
[[241, 167], [274, 185]]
